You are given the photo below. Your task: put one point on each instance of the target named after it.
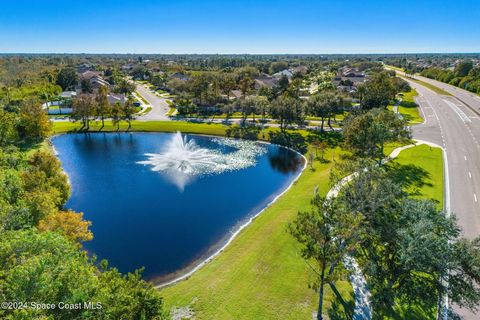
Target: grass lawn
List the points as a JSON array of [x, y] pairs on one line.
[[394, 68], [409, 109], [141, 98], [147, 126], [420, 170], [429, 86], [147, 110], [261, 274], [171, 111]]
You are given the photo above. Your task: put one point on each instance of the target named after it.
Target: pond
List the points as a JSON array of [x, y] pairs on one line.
[[167, 201]]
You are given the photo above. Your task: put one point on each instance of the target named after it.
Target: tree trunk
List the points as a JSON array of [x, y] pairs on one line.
[[320, 300], [329, 124], [321, 127]]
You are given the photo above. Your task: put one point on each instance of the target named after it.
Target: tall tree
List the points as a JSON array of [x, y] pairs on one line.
[[319, 105], [103, 105], [379, 91], [366, 134], [287, 111], [327, 233], [83, 109], [128, 112], [67, 78], [34, 123], [117, 114]]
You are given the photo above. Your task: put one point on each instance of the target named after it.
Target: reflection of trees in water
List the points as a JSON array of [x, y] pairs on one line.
[[285, 161], [106, 142]]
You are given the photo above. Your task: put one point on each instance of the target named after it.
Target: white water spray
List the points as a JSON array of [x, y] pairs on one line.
[[182, 160]]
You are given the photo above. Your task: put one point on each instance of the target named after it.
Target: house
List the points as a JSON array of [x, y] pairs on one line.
[[264, 80], [127, 67], [94, 77], [113, 98], [87, 75], [299, 69], [286, 72], [68, 94], [98, 82], [84, 67], [235, 94], [179, 76], [351, 73]]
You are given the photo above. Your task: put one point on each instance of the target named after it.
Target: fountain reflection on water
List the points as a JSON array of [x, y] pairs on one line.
[[182, 160]]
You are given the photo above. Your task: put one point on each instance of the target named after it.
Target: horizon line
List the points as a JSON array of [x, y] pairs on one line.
[[235, 54]]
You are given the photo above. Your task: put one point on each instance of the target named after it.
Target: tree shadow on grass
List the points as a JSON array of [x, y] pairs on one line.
[[341, 309], [409, 176], [331, 138]]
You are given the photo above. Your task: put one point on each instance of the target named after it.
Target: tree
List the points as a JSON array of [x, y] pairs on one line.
[[463, 68], [67, 78], [128, 112], [62, 272], [34, 124], [102, 104], [366, 134], [411, 252], [140, 72], [117, 114], [8, 132], [83, 109], [379, 91], [124, 87], [69, 223], [319, 105], [282, 84], [245, 85], [278, 66], [327, 233], [262, 107], [319, 145], [86, 86], [286, 110]]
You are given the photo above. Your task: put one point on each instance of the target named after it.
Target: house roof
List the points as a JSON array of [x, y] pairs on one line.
[[114, 98], [68, 94], [299, 69], [264, 80], [236, 94], [285, 72], [179, 76], [98, 81], [90, 74]]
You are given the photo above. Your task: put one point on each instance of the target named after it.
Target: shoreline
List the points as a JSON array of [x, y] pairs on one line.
[[237, 231], [197, 264]]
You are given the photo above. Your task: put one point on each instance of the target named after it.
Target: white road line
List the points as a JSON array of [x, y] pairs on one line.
[[465, 157], [434, 112], [475, 196], [458, 111], [469, 174]]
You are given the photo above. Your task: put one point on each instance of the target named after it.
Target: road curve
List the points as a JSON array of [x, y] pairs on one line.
[[159, 105]]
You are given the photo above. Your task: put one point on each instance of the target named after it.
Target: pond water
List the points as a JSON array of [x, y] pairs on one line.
[[166, 201]]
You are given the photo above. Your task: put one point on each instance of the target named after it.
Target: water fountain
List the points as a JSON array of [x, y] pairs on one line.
[[182, 159]]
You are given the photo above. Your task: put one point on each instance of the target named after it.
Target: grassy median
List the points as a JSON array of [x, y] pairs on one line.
[[420, 171]]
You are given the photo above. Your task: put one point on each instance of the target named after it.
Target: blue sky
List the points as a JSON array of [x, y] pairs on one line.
[[281, 26]]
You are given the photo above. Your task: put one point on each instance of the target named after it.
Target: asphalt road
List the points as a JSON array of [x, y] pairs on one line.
[[159, 105], [449, 122]]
